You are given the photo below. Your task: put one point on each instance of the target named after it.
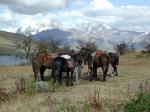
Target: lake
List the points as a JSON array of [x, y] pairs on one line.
[[10, 60]]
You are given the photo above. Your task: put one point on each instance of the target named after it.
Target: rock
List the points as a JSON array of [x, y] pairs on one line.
[[41, 86]]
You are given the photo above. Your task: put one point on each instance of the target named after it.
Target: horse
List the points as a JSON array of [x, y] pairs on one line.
[[40, 63], [95, 60], [114, 62], [62, 64]]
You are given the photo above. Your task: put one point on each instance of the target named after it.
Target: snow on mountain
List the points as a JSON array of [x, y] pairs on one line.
[[93, 28], [36, 28]]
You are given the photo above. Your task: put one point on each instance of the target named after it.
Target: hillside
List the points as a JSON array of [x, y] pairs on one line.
[[6, 41]]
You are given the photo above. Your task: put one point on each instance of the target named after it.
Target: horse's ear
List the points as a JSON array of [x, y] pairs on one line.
[[82, 48]]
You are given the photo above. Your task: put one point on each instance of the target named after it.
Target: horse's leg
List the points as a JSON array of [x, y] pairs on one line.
[[35, 76], [60, 78], [42, 70], [95, 72], [72, 78], [105, 70], [115, 69], [67, 82], [91, 73], [54, 73]]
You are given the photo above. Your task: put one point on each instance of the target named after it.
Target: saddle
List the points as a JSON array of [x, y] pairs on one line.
[[99, 53]]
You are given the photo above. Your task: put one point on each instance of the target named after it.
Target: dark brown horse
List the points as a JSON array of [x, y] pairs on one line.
[[40, 63], [99, 59]]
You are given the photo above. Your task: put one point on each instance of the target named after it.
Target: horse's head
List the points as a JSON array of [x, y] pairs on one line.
[[86, 51]]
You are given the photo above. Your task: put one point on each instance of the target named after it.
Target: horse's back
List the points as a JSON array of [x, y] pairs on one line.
[[101, 59]]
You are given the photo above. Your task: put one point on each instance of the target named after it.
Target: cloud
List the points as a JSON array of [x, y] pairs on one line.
[[33, 6], [101, 4], [129, 17]]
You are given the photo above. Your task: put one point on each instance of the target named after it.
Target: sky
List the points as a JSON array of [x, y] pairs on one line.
[[131, 15]]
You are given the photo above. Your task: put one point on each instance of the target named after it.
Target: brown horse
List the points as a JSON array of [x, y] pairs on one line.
[[40, 63], [99, 59]]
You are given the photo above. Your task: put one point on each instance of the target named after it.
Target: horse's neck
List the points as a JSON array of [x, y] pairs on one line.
[[80, 56]]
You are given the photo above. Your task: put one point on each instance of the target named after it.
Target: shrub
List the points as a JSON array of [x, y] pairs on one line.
[[142, 102], [139, 104]]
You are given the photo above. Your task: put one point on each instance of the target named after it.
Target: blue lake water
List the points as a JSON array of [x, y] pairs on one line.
[[10, 60]]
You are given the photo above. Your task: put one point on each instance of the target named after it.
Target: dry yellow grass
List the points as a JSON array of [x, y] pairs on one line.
[[15, 69], [116, 90]]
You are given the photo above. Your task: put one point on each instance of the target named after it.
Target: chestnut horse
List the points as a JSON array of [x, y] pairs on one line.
[[40, 63], [98, 59]]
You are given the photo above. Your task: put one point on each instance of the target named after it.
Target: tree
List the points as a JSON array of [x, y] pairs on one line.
[[147, 44], [23, 46], [54, 44], [65, 48], [121, 48], [131, 46], [90, 43], [42, 47]]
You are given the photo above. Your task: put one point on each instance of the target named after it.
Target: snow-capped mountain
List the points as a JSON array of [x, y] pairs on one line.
[[105, 36]]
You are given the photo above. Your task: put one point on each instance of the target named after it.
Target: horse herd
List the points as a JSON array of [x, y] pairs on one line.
[[61, 63]]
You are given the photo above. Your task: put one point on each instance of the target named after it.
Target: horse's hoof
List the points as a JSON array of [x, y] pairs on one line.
[[67, 84], [104, 80], [71, 84], [60, 83], [96, 79], [90, 79], [111, 75]]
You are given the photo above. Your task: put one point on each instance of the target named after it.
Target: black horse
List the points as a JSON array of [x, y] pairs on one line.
[[114, 62], [61, 64]]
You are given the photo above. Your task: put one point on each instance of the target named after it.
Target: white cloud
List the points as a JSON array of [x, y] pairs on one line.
[[123, 17], [101, 4], [97, 11]]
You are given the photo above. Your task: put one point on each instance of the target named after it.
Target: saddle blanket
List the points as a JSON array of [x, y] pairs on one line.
[[70, 63], [65, 56]]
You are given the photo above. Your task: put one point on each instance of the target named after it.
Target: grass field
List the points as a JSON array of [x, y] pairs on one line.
[[110, 95]]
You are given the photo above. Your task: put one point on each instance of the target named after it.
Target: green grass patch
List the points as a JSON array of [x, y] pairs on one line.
[[139, 104]]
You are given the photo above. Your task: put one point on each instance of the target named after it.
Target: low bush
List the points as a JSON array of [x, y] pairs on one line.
[[141, 103]]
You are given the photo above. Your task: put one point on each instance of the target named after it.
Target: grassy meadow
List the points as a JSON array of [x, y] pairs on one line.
[[94, 96]]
